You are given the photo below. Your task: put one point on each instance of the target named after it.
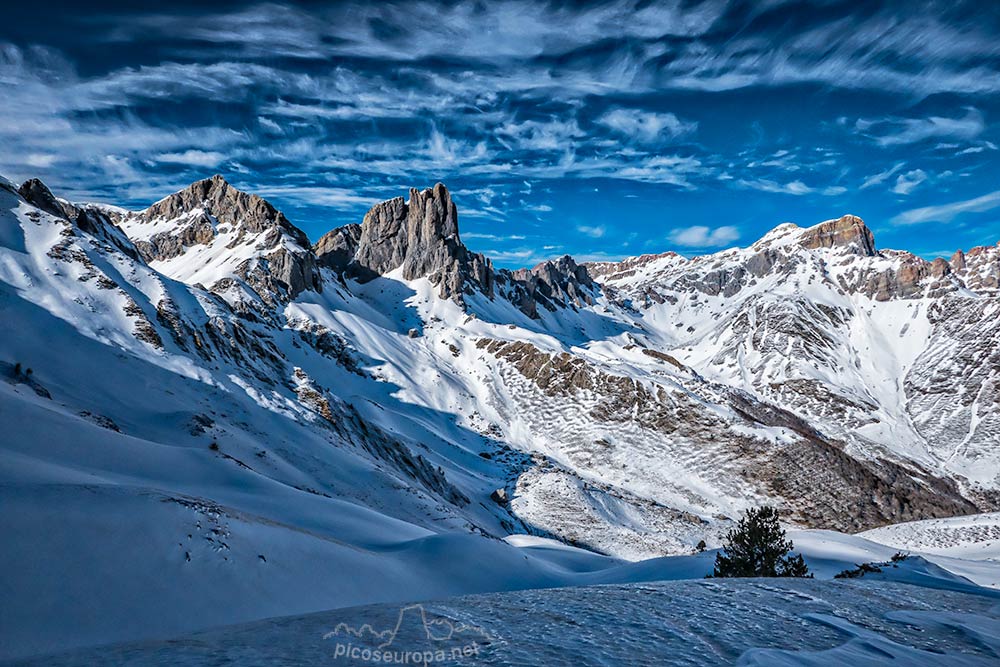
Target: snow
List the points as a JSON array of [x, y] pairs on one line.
[[714, 622], [174, 489], [966, 545]]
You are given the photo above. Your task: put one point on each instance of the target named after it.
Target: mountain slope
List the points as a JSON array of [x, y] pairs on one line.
[[217, 395]]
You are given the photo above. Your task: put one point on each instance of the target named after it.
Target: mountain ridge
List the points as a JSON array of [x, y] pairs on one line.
[[846, 231], [727, 375]]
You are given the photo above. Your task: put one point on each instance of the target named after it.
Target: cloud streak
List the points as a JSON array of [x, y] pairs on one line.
[[945, 213]]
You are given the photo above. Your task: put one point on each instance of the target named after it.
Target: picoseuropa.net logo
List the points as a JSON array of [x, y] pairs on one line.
[[418, 638]]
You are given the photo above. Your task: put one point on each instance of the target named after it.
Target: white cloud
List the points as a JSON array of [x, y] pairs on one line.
[[700, 236], [550, 135], [193, 158], [881, 177], [518, 256], [908, 182], [594, 232], [40, 160], [873, 50], [333, 197], [948, 212], [646, 126], [493, 237]]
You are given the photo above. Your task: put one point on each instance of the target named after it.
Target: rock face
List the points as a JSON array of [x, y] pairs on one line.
[[979, 269], [552, 284], [336, 249], [90, 219], [278, 263], [848, 231], [229, 206], [421, 236], [38, 194]]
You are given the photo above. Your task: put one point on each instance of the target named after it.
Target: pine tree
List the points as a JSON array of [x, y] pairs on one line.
[[757, 547]]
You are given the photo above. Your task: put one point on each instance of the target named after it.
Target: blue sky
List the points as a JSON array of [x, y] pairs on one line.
[[596, 129]]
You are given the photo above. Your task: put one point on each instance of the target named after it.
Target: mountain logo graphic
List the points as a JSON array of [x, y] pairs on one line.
[[415, 632]]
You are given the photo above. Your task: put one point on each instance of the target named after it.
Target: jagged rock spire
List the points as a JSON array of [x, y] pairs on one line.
[[421, 236]]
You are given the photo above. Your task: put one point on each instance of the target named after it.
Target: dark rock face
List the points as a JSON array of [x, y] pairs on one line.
[[282, 275], [552, 284], [914, 277], [979, 268], [336, 249], [168, 245], [849, 231], [421, 236], [813, 477], [38, 194]]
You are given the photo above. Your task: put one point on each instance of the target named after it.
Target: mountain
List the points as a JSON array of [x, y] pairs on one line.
[[270, 420]]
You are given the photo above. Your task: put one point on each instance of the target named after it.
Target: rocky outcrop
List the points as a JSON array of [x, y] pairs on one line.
[[38, 194], [87, 218], [337, 248], [421, 237], [229, 206], [552, 284], [979, 269], [281, 275], [808, 474], [167, 245], [848, 232], [908, 277]]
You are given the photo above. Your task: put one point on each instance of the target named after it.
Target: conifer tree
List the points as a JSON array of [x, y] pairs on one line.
[[758, 547]]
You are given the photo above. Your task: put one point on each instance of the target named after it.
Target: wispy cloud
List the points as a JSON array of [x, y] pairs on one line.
[[351, 100], [331, 197], [493, 237], [193, 157], [882, 176], [945, 213], [790, 188], [908, 182], [900, 131]]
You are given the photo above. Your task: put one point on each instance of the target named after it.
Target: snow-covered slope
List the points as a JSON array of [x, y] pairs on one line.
[[286, 427], [873, 621], [890, 353]]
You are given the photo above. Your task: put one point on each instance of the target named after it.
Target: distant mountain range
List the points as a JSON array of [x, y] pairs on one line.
[[205, 352]]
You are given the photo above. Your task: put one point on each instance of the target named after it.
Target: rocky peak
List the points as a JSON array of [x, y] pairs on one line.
[[848, 232], [630, 266], [38, 194], [979, 268], [275, 257], [217, 197], [85, 217], [553, 284], [421, 236]]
